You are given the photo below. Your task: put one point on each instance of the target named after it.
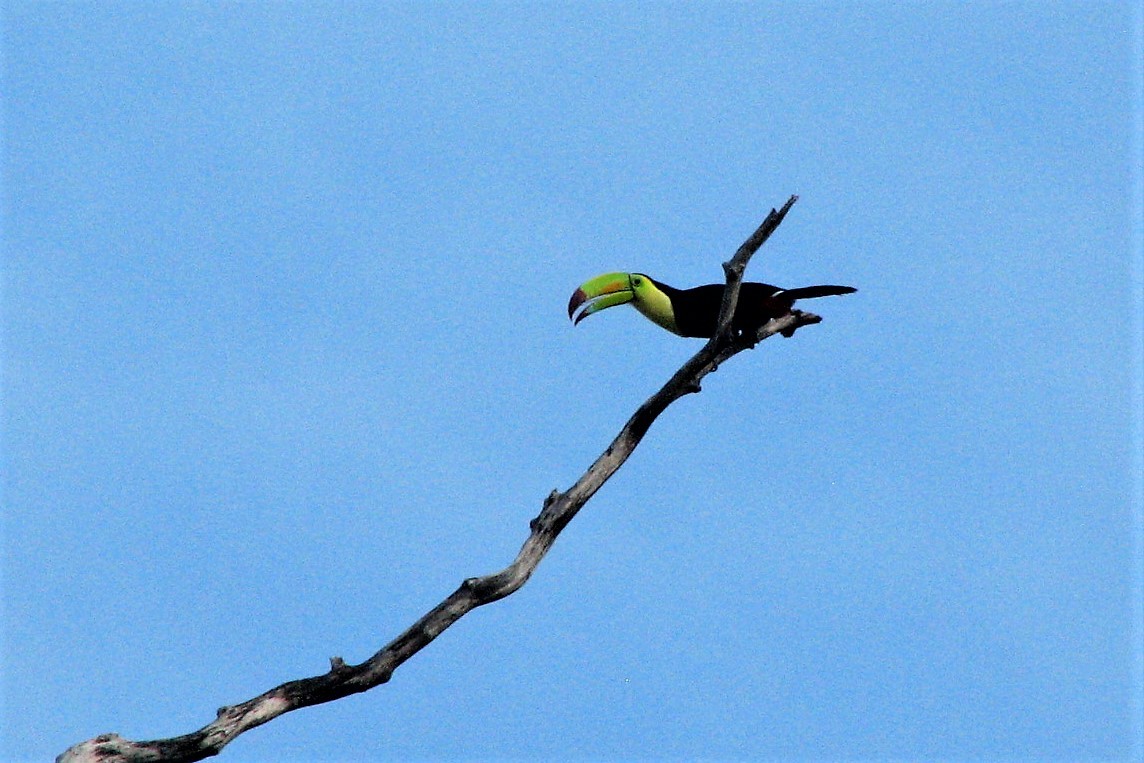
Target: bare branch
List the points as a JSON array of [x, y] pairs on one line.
[[734, 268], [559, 508]]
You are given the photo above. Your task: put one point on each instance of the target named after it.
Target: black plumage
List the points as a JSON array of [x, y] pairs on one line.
[[696, 310]]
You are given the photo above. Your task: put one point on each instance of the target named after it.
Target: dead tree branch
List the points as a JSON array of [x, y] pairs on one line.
[[559, 508]]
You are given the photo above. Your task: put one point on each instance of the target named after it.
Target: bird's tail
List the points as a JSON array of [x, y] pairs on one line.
[[810, 292]]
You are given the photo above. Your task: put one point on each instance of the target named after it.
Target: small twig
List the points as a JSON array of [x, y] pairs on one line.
[[559, 508]]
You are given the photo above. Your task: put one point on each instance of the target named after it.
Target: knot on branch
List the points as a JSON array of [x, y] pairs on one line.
[[735, 268], [544, 519]]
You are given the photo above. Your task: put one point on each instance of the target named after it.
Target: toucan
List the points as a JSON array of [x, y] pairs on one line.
[[691, 312]]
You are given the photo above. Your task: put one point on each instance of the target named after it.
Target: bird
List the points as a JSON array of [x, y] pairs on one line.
[[691, 312]]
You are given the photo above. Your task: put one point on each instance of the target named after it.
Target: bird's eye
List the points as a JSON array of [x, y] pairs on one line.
[[637, 281]]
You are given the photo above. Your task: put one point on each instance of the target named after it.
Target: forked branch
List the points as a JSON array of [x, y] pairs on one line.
[[559, 508]]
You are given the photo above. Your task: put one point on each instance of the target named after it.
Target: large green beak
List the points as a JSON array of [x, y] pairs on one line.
[[600, 293]]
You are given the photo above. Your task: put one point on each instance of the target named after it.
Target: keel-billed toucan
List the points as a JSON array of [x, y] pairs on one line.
[[691, 312]]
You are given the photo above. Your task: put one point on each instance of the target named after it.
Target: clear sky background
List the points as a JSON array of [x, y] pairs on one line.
[[285, 358]]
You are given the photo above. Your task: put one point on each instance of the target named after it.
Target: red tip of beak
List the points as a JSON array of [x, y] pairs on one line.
[[578, 298]]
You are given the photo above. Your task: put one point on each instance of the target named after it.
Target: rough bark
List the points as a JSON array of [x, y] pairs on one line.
[[559, 508]]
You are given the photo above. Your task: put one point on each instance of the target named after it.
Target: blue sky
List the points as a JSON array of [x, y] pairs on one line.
[[285, 358]]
